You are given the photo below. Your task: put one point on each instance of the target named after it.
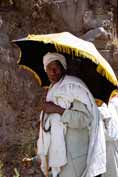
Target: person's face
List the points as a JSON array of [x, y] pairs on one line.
[[54, 71]]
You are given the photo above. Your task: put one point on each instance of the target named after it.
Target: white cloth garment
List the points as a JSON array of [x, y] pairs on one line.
[[53, 143], [114, 102], [74, 88], [64, 93], [110, 118]]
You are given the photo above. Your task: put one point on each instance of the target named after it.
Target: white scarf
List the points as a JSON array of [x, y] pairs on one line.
[[53, 143]]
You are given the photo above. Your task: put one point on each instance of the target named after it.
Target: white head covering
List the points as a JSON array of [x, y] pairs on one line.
[[49, 57]]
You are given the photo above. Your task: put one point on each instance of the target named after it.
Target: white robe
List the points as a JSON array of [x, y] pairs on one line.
[[114, 102], [110, 118], [64, 93]]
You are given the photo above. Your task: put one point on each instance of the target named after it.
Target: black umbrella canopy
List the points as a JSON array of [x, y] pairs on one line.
[[32, 53], [82, 66]]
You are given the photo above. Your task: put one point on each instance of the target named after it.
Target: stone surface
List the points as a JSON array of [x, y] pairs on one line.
[[4, 40], [115, 59], [99, 36], [1, 21]]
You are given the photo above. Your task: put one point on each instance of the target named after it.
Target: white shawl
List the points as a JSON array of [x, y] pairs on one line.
[[53, 143], [114, 102], [110, 118]]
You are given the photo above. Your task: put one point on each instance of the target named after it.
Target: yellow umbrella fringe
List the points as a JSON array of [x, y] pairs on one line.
[[100, 69], [20, 54], [99, 102], [35, 75], [61, 47], [114, 92], [103, 72], [69, 50]]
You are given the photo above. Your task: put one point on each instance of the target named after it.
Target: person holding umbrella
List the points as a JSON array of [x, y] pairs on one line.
[[66, 94], [70, 105]]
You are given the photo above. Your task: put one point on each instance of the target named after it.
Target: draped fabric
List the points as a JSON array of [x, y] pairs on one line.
[[65, 92], [110, 118]]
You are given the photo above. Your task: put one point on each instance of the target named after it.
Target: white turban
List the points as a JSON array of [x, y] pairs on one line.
[[49, 57]]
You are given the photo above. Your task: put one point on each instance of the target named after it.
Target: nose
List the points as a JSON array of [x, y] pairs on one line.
[[52, 71]]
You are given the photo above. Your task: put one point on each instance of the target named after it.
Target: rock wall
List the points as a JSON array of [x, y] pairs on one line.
[[20, 94]]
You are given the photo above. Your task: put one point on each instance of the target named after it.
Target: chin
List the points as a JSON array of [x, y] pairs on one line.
[[53, 81]]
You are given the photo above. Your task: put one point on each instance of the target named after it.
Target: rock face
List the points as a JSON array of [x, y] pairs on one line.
[[20, 94], [19, 101]]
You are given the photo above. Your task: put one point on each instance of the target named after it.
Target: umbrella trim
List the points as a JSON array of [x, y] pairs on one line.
[[77, 52], [63, 48], [100, 69], [20, 54], [68, 49], [114, 92], [35, 75]]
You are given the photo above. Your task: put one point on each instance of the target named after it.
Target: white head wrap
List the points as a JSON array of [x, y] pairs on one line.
[[49, 57]]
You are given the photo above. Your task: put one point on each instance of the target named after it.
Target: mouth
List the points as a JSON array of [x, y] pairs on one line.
[[53, 78]]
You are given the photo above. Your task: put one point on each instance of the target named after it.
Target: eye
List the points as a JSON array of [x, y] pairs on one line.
[[53, 67]]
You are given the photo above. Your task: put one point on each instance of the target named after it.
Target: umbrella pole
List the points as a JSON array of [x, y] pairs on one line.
[[46, 159]]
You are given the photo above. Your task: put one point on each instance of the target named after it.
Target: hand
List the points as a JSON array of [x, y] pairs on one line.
[[49, 107]]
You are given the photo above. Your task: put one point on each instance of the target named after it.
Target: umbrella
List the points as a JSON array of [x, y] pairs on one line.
[[83, 60]]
